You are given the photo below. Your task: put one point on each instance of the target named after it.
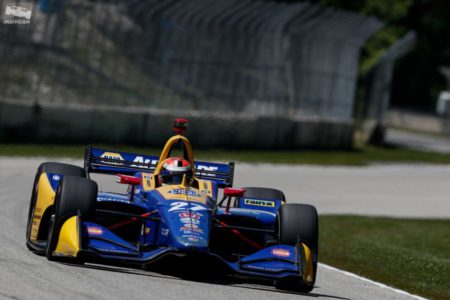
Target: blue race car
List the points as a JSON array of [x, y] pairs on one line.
[[171, 208]]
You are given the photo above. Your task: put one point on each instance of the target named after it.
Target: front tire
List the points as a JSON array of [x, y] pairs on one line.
[[53, 168], [75, 196], [298, 222]]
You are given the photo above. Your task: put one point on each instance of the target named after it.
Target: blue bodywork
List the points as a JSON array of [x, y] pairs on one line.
[[185, 229], [145, 225]]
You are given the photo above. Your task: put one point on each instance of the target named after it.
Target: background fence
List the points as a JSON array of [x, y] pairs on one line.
[[237, 58]]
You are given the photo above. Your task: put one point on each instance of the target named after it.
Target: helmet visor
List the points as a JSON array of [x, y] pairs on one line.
[[175, 177], [172, 178]]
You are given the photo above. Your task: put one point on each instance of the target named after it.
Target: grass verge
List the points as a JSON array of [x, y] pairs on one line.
[[410, 254], [360, 156]]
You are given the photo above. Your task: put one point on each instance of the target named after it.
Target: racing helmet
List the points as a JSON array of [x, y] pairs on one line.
[[173, 169]]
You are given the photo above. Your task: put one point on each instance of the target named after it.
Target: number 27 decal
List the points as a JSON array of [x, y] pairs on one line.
[[184, 206]]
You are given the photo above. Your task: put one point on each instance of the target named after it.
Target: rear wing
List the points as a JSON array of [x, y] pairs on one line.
[[113, 162]]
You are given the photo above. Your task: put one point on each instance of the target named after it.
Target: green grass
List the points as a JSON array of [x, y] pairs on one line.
[[410, 254], [360, 156]]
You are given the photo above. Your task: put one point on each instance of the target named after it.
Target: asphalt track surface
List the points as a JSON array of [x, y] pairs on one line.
[[24, 275]]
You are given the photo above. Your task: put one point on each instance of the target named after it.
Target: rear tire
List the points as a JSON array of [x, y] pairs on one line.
[[298, 222], [75, 195], [264, 193], [47, 167]]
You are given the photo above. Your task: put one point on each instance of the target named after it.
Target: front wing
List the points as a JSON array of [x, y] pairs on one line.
[[91, 241]]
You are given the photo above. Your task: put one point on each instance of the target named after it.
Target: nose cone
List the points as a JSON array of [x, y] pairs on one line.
[[191, 244], [188, 225]]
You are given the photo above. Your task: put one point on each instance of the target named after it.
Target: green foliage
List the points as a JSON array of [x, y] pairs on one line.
[[377, 45], [386, 10], [393, 13], [416, 81], [409, 254]]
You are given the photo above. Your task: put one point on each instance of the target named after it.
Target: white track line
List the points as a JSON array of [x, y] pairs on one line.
[[373, 282]]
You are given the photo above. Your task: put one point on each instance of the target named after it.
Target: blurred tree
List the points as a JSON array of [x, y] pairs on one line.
[[416, 80]]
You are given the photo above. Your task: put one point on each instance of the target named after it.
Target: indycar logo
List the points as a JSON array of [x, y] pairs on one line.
[[112, 156], [281, 252], [17, 14], [264, 203]]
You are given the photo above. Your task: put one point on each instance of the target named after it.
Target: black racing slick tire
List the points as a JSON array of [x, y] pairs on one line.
[[298, 222], [264, 193], [75, 196], [54, 168]]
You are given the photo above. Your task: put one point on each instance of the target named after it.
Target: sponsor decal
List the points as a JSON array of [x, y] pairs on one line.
[[206, 189], [113, 156], [100, 199], [186, 205], [184, 192], [113, 250], [147, 181], [164, 231], [141, 160], [191, 237], [207, 168], [188, 214], [281, 252], [189, 221], [201, 168], [188, 228], [95, 230], [179, 193], [265, 203], [261, 268], [56, 177]]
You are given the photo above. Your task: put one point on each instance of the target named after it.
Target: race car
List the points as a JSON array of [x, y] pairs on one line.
[[171, 208]]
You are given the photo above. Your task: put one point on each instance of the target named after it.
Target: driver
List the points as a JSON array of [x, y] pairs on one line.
[[173, 170]]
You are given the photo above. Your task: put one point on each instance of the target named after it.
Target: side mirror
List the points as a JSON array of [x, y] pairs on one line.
[[232, 192], [131, 180], [125, 179]]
